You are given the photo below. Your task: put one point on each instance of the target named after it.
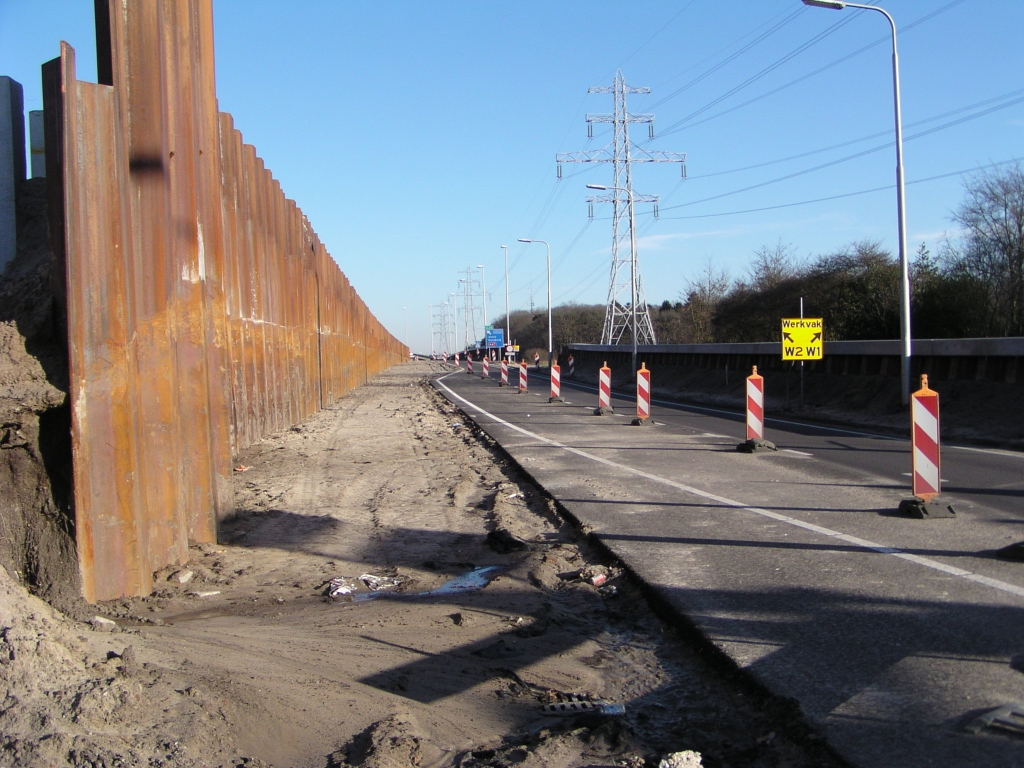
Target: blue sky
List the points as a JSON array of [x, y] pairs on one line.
[[419, 137]]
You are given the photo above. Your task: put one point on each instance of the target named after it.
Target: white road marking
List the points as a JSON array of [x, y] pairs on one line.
[[927, 562], [798, 453]]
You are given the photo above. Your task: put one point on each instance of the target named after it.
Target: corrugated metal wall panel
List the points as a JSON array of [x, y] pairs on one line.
[[203, 311]]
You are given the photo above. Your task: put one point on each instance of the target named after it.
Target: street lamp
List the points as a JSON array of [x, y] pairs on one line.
[[632, 257], [406, 311], [430, 309], [548, 247], [455, 323], [483, 293], [508, 322], [901, 212]]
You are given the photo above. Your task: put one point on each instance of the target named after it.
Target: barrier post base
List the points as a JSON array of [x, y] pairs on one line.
[[756, 445], [638, 422], [926, 510], [604, 411], [555, 400]]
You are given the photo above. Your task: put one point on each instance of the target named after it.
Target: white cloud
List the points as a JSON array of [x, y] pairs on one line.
[[939, 235], [661, 242]]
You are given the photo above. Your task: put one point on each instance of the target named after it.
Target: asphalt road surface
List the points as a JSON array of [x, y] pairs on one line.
[[893, 634]]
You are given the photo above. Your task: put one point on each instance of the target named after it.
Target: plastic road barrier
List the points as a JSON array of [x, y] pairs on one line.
[[572, 367], [604, 389], [469, 364], [486, 372], [522, 376], [643, 393], [924, 414], [755, 406], [556, 384], [504, 372]]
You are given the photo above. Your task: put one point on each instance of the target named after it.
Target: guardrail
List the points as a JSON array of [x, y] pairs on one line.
[[992, 359], [202, 310]]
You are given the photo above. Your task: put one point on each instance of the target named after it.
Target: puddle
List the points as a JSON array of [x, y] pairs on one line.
[[478, 578]]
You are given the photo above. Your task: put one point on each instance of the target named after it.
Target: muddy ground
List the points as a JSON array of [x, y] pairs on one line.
[[242, 657]]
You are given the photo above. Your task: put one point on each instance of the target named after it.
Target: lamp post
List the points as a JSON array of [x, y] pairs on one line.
[[406, 313], [901, 212], [483, 295], [430, 309], [548, 247], [508, 321], [632, 260], [455, 323]]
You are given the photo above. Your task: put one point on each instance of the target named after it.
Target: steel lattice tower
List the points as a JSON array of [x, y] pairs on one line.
[[625, 280]]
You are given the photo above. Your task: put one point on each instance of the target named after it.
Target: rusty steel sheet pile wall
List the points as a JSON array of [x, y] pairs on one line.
[[203, 312]]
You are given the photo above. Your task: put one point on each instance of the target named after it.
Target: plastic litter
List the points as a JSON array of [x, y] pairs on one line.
[[573, 704], [1007, 718], [686, 759], [337, 587], [378, 583]]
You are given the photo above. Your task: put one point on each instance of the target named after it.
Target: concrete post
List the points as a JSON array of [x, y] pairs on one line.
[[37, 144], [12, 164]]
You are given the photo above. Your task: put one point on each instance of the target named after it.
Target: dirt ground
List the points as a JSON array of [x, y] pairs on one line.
[[242, 657]]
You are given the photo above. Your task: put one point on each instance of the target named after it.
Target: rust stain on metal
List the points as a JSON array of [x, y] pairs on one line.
[[203, 312]]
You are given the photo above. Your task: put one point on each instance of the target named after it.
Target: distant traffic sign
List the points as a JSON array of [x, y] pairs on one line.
[[802, 338], [494, 337]]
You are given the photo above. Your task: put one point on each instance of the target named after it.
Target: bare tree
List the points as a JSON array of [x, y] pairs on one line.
[[991, 249], [771, 265], [700, 298]]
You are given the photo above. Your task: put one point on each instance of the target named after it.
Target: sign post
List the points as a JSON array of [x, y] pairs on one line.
[[802, 338], [494, 338]]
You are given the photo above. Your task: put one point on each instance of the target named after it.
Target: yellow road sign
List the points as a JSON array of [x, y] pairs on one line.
[[802, 338]]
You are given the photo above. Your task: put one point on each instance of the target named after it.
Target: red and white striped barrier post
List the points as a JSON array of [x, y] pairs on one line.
[[486, 372], [755, 406], [604, 391], [469, 364], [504, 372], [522, 377], [925, 453], [755, 417], [556, 384], [456, 359], [572, 367], [643, 396]]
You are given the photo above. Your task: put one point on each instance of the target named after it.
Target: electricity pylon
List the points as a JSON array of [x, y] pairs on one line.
[[625, 281]]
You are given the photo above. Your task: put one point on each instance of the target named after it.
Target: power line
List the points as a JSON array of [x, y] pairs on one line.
[[729, 59], [676, 126], [819, 70], [848, 194], [886, 132], [847, 158]]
